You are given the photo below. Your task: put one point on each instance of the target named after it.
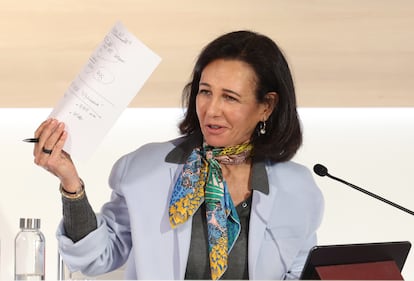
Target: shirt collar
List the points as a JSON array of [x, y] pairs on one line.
[[185, 145]]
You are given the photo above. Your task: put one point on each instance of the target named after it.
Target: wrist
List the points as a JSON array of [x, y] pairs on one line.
[[73, 193], [71, 184]]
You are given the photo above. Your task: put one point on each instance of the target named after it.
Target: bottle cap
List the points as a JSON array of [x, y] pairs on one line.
[[29, 223]]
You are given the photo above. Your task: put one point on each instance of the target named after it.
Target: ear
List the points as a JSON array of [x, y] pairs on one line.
[[270, 101]]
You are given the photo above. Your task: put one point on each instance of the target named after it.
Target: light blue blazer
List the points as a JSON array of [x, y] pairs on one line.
[[133, 227]]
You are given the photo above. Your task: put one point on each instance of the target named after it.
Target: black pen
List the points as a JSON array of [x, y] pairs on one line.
[[31, 140]]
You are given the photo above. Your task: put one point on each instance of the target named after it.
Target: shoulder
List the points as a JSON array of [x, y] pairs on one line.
[[294, 179], [152, 151], [147, 157], [288, 171], [296, 193]]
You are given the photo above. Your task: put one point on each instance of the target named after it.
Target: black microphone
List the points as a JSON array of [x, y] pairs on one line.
[[322, 171]]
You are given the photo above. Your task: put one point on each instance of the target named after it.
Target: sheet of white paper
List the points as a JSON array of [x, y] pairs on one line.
[[111, 78]]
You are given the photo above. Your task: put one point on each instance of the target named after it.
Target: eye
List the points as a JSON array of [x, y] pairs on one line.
[[230, 98], [203, 92]]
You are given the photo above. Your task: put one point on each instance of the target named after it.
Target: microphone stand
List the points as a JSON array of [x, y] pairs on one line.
[[325, 172]]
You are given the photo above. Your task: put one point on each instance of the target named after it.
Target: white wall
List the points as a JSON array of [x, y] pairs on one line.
[[370, 147]]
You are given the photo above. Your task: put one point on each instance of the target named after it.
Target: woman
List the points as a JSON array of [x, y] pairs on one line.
[[221, 202]]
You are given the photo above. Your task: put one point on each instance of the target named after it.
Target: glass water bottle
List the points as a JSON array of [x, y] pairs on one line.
[[29, 251]]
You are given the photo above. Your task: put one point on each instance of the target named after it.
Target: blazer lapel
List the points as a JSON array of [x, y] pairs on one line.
[[182, 235], [262, 205]]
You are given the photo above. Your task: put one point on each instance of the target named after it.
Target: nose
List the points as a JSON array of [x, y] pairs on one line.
[[213, 107]]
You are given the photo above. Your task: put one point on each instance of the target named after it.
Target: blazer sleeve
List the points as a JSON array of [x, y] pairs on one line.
[[106, 248]]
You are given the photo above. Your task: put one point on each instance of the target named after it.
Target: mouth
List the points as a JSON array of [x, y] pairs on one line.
[[214, 129]]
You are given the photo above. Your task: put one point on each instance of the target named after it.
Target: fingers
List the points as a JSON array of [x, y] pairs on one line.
[[49, 153], [61, 141], [57, 147], [55, 135], [48, 133], [38, 134]]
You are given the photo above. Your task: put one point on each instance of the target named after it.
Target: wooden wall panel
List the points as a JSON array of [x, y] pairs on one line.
[[343, 53]]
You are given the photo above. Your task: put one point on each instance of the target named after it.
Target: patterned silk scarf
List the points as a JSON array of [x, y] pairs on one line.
[[202, 180]]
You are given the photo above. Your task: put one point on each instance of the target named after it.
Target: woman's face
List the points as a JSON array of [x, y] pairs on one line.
[[226, 103]]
